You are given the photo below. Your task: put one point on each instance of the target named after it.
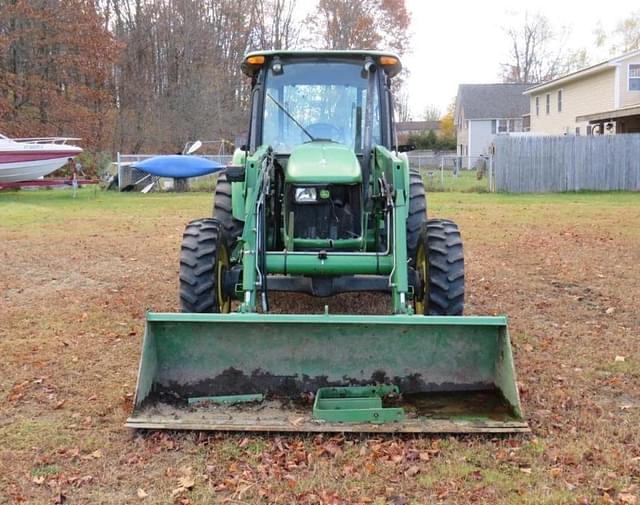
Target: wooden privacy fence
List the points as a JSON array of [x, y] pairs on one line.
[[528, 164]]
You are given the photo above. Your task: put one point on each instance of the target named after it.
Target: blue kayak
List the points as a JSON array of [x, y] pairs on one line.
[[176, 165]]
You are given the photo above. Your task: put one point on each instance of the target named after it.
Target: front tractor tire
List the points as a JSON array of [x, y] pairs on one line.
[[439, 262], [222, 211], [204, 260]]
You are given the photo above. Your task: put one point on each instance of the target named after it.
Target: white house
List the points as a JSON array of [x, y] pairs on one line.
[[484, 111]]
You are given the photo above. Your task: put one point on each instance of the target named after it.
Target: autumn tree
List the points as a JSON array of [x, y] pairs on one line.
[[275, 24], [179, 76], [447, 127], [538, 53], [431, 113], [401, 105], [628, 31], [362, 24], [625, 37], [56, 60]]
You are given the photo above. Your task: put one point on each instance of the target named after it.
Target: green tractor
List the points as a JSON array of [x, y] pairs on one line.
[[321, 200]]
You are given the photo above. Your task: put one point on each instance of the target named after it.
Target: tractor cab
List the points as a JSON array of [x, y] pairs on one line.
[[301, 97]]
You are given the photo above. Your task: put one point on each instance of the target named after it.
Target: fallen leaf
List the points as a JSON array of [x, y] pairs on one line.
[[610, 310], [528, 347], [97, 454], [526, 470], [185, 471], [627, 498], [38, 480], [186, 482], [333, 449], [619, 359], [443, 494], [142, 494], [412, 471], [297, 421]]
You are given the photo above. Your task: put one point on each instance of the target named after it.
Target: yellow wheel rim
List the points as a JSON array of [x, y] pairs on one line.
[[423, 272], [222, 265]]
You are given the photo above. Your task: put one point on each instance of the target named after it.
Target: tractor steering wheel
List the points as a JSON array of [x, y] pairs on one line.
[[325, 131]]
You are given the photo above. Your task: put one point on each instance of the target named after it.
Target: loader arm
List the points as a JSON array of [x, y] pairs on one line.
[[395, 170], [257, 169]]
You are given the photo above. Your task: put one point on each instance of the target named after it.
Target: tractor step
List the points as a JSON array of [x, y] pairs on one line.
[[361, 404]]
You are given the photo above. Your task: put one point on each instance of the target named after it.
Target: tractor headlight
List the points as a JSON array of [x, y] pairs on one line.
[[306, 195]]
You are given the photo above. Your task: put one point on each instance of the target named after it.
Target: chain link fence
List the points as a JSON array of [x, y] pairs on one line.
[[440, 172], [450, 172]]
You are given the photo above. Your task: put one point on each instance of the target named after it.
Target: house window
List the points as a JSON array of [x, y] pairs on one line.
[[502, 126], [559, 100], [493, 126], [548, 105], [634, 77], [589, 129], [537, 106], [577, 130]]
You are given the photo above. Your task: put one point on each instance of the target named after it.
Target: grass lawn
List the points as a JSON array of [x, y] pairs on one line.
[[78, 274], [466, 181]]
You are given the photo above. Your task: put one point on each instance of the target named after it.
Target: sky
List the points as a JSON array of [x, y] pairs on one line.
[[463, 42]]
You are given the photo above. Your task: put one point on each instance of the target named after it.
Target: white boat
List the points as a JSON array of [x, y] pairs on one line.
[[28, 159]]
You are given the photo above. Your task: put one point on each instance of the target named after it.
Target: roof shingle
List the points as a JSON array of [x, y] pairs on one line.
[[493, 101], [408, 126]]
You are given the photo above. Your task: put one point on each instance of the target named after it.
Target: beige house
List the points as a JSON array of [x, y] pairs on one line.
[[603, 98]]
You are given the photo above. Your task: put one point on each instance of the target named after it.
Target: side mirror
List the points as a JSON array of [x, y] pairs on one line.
[[405, 148]]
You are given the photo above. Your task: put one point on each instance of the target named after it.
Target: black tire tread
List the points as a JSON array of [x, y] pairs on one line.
[[222, 210], [446, 267], [417, 211], [201, 241]]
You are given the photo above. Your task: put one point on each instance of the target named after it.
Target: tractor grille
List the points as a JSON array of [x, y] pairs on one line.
[[333, 218]]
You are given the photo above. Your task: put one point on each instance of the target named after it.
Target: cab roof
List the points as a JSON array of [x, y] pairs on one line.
[[251, 70]]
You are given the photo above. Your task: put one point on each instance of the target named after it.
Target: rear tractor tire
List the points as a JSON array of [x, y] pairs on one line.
[[204, 260], [439, 263], [222, 211]]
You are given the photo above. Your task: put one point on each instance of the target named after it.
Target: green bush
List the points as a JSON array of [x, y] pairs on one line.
[[429, 140]]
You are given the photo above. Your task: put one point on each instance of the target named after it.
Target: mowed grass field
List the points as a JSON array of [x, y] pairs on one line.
[[76, 276]]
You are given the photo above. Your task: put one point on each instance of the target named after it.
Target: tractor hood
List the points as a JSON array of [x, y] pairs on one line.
[[323, 162]]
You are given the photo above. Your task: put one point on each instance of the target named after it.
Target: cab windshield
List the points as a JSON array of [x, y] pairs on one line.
[[317, 101]]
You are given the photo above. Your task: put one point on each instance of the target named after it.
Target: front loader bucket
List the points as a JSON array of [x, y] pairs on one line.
[[255, 372]]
